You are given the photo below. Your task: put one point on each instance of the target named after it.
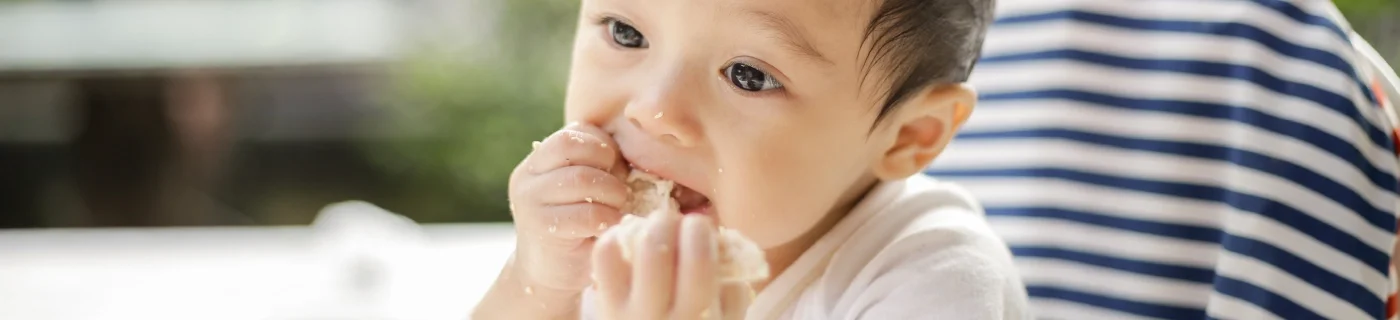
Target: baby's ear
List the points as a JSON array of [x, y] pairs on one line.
[[921, 127]]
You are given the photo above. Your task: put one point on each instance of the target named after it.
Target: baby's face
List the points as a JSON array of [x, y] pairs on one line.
[[754, 106]]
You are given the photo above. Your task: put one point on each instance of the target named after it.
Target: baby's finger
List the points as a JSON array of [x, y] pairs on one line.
[[735, 299], [611, 274], [574, 145], [697, 283], [655, 265], [576, 220], [577, 184], [620, 169]]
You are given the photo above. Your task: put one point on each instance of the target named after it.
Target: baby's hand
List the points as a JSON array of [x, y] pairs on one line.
[[673, 274], [568, 190]]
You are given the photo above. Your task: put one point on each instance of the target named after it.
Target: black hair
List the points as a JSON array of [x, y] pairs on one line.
[[924, 42]]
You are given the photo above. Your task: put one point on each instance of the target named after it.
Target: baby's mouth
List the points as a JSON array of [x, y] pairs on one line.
[[690, 201]]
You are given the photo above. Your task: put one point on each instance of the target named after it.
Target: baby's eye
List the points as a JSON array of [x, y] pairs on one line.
[[625, 35], [749, 78]]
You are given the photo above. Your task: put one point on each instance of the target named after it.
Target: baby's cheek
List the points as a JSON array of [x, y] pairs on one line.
[[771, 212], [776, 189]]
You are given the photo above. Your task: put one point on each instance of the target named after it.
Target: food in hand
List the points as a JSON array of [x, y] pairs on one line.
[[740, 259]]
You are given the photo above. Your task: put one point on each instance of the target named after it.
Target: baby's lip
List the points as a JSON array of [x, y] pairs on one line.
[[689, 200], [687, 197], [708, 209], [660, 172], [666, 173], [641, 155]]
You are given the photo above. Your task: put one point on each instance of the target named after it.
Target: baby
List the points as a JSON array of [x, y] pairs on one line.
[[801, 124]]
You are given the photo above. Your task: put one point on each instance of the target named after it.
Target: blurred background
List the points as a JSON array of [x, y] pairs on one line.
[[212, 112], [271, 113], [262, 112]]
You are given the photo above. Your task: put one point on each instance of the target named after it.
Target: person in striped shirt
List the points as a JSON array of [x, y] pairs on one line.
[[1184, 159], [1385, 85]]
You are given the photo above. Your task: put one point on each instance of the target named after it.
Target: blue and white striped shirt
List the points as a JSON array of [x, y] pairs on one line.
[[1182, 159]]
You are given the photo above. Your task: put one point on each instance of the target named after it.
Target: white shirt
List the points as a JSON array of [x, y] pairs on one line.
[[912, 249]]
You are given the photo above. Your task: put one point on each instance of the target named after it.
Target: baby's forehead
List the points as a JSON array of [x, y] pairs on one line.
[[813, 28], [814, 12]]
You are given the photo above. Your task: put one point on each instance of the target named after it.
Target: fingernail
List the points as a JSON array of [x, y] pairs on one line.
[[534, 145]]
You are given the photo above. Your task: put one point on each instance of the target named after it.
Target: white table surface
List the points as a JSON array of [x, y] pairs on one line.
[[355, 262]]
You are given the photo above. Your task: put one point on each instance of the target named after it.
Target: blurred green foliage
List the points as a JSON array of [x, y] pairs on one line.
[[474, 113], [1378, 21], [1357, 10]]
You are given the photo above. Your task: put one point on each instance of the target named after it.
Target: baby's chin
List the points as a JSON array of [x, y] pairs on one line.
[[765, 232], [776, 228]]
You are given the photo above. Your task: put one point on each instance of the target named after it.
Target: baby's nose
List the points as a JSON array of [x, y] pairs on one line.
[[666, 111]]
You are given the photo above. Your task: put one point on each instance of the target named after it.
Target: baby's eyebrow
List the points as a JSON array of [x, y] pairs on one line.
[[788, 32]]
